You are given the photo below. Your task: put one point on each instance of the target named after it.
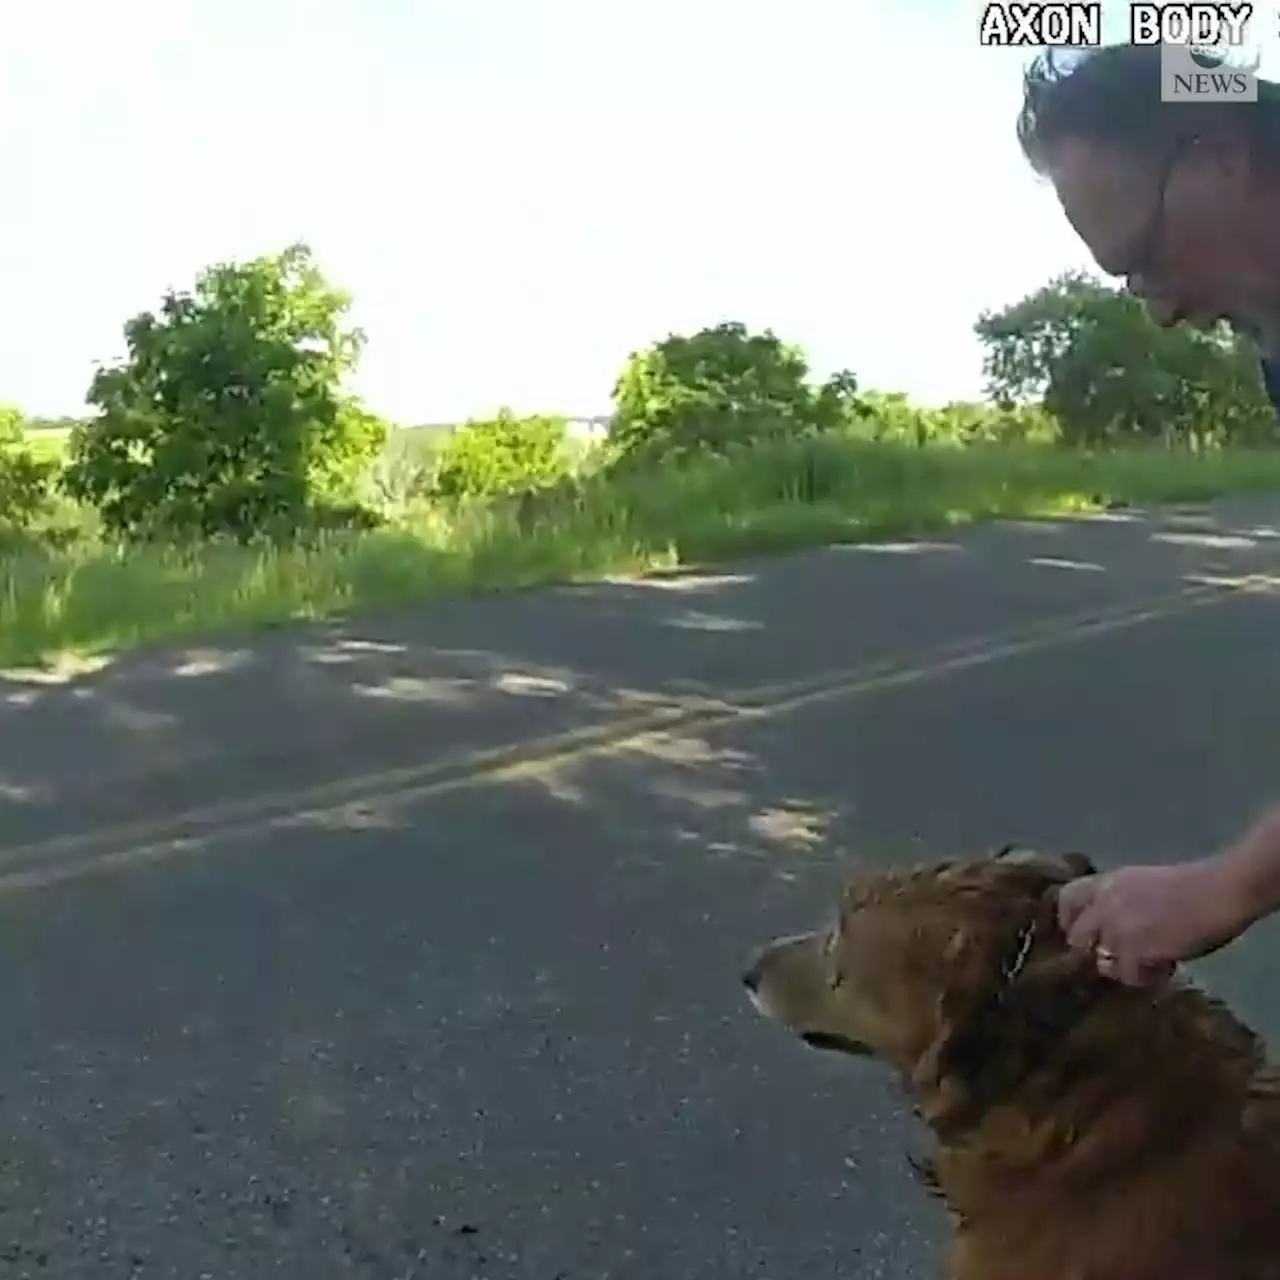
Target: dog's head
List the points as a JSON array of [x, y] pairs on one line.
[[956, 975]]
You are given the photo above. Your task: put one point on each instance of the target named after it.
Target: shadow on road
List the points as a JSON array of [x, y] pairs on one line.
[[499, 1031], [162, 730]]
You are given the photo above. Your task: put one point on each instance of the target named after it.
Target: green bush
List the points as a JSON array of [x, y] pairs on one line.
[[722, 387], [1092, 355], [890, 418], [227, 416], [26, 481], [967, 423], [504, 455]]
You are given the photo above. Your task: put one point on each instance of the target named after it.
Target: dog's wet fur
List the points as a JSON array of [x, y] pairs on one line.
[[1085, 1130]]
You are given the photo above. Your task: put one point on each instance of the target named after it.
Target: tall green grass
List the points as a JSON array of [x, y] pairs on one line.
[[92, 596]]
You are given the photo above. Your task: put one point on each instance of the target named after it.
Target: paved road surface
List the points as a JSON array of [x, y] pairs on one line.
[[477, 1015]]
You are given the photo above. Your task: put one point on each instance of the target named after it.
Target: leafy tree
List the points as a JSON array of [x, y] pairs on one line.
[[503, 455], [1095, 360], [25, 481], [719, 388], [228, 414]]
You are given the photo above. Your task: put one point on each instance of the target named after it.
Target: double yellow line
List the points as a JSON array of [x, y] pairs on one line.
[[68, 857]]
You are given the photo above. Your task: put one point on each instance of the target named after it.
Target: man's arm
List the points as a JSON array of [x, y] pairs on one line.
[[1139, 921], [1248, 874]]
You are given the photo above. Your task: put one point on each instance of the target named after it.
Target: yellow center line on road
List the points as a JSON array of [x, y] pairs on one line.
[[62, 858]]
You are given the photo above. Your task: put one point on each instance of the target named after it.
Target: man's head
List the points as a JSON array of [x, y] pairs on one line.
[[1181, 199]]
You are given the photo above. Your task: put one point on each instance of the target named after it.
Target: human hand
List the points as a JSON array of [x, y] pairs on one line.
[[1141, 921]]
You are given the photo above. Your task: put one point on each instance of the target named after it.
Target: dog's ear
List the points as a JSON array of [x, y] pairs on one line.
[[991, 1039], [1073, 865], [1078, 864]]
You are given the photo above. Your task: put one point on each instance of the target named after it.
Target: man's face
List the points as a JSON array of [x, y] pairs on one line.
[[1173, 227]]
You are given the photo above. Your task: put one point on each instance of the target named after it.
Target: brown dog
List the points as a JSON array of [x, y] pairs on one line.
[[1086, 1130]]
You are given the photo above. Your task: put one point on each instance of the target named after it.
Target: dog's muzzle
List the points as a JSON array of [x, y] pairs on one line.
[[830, 1042]]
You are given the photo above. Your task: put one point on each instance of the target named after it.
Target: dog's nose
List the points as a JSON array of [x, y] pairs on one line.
[[751, 977]]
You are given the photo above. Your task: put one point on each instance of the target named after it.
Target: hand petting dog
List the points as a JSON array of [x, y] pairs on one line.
[[1140, 921]]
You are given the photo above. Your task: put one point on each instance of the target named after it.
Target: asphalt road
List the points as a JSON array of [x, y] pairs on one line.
[[477, 1015]]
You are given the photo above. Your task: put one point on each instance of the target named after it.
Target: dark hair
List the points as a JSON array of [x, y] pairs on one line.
[[1111, 96]]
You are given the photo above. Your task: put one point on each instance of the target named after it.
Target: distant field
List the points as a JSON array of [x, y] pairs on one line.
[[49, 442]]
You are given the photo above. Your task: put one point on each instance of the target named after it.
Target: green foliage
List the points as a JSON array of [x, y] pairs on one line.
[[1096, 361], [343, 451], [503, 455], [89, 598], [405, 470], [26, 481], [970, 423], [228, 416], [890, 417], [720, 388]]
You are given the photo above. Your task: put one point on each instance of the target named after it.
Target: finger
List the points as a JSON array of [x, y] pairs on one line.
[[1086, 928], [1073, 898], [1133, 973]]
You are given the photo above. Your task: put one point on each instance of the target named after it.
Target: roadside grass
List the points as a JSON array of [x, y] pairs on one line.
[[85, 596]]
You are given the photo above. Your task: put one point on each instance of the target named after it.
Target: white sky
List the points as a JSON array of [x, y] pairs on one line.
[[520, 192]]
